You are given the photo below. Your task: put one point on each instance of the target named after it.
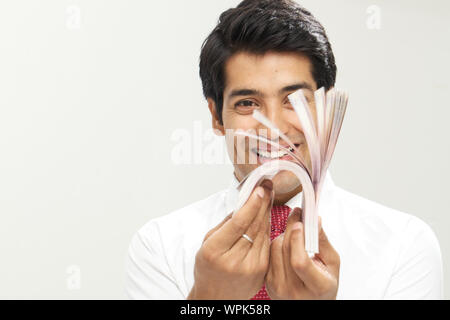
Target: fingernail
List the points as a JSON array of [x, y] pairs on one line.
[[268, 184], [297, 226], [272, 198], [281, 236], [260, 192]]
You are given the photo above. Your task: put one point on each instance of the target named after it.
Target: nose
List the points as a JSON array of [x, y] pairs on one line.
[[276, 115]]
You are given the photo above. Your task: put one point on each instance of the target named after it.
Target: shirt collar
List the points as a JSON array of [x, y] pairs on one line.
[[232, 194]]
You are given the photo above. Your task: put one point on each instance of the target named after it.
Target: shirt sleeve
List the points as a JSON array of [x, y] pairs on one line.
[[418, 274], [148, 275]]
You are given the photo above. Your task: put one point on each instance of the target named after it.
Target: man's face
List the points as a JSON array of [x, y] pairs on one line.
[[263, 83]]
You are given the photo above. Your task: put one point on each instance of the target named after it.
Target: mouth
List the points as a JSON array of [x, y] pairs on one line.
[[265, 155]]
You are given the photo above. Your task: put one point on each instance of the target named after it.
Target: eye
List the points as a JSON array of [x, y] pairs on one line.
[[246, 103], [287, 104]]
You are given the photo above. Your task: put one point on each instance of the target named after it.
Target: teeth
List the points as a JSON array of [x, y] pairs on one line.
[[272, 154]]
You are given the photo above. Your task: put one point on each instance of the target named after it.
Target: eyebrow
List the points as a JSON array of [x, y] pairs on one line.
[[254, 92]]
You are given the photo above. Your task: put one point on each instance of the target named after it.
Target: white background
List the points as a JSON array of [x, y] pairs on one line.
[[91, 92]]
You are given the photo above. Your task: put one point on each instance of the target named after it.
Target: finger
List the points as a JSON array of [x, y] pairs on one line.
[[257, 226], [263, 232], [210, 232], [277, 265], [260, 249], [302, 264], [275, 278], [294, 217], [232, 230], [327, 253]]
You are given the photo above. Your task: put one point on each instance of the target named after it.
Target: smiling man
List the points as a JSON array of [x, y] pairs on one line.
[[258, 54]]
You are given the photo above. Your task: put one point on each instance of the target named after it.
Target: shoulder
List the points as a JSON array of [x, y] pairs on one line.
[[378, 216], [387, 225], [396, 254]]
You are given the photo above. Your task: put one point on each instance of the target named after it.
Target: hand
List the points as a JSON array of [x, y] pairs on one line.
[[228, 266], [293, 274]]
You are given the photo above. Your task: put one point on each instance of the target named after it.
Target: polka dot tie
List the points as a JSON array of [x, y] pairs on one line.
[[279, 216]]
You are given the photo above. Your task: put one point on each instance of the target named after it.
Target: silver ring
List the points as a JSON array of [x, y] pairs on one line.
[[246, 237]]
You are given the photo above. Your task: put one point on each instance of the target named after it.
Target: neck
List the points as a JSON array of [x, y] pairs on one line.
[[281, 199]]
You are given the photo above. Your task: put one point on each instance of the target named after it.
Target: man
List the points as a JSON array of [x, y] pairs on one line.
[[258, 54]]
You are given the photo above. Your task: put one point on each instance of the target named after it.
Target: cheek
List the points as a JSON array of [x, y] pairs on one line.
[[312, 108], [234, 121], [238, 146]]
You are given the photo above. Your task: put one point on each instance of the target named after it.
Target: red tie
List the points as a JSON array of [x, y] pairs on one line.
[[278, 225]]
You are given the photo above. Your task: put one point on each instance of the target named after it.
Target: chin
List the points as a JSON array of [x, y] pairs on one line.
[[285, 182]]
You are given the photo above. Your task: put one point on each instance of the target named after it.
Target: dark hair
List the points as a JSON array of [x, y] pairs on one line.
[[260, 26]]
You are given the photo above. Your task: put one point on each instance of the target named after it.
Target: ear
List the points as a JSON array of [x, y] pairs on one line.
[[217, 126]]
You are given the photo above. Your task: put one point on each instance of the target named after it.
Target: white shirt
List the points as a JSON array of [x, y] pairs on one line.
[[384, 253]]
